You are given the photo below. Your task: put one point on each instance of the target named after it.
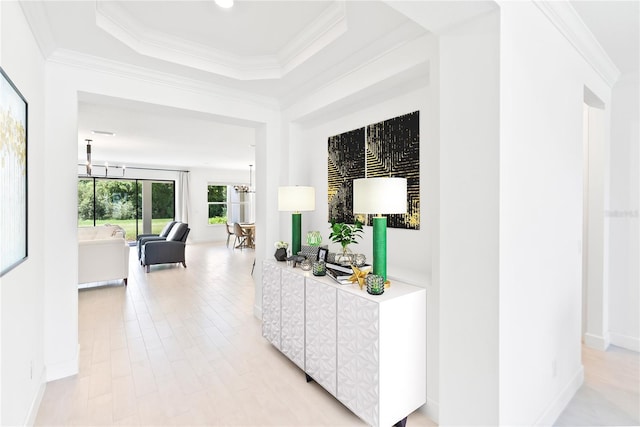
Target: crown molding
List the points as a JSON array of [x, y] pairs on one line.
[[325, 29], [565, 18], [40, 27], [404, 38], [329, 26], [121, 69]]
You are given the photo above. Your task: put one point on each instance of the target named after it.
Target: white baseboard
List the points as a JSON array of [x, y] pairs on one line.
[[257, 312], [597, 342], [35, 404], [64, 369], [431, 409], [553, 411], [625, 341]]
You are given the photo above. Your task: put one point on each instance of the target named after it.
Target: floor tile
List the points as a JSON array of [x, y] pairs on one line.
[[181, 346]]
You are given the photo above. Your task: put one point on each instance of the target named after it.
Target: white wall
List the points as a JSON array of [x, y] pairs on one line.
[[469, 221], [542, 91], [622, 217], [22, 369]]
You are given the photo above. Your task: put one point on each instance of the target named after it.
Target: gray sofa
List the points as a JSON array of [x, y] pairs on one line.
[[165, 251]]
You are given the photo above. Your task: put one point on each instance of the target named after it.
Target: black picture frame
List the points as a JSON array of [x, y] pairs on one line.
[[14, 212], [322, 254]]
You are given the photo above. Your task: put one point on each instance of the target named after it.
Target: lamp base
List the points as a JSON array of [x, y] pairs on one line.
[[296, 231], [380, 246]]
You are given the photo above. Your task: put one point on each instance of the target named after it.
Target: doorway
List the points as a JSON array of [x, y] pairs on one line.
[[595, 285]]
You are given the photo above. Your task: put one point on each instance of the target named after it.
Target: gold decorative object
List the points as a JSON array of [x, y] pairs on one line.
[[358, 276]]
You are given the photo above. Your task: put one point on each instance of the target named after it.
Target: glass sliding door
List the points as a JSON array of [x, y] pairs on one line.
[[86, 205], [120, 202], [162, 205], [115, 204]]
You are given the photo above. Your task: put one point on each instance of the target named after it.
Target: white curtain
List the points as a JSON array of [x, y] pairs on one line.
[[182, 205]]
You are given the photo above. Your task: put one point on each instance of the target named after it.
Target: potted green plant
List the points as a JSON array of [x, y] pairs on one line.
[[345, 234]]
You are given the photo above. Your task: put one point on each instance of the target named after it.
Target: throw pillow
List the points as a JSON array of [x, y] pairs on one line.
[[177, 232], [167, 228]]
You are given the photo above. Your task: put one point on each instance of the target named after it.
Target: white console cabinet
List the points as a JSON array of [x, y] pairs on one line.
[[369, 351], [292, 317], [271, 303], [321, 334]]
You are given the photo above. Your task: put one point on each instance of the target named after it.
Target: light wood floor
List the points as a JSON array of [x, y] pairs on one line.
[[182, 347]]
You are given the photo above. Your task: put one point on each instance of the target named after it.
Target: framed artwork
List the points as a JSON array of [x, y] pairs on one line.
[[393, 149], [390, 148], [322, 254], [13, 175], [345, 163]]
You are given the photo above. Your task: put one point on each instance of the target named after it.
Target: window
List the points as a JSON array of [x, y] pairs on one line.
[[226, 204], [120, 202], [217, 201]]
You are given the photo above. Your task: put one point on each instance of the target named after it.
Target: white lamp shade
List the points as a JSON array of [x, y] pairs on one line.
[[380, 195], [296, 199]]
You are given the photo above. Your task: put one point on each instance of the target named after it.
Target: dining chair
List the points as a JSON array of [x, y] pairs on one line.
[[230, 232], [241, 236]]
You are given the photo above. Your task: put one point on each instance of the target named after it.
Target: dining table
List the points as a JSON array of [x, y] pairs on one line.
[[249, 230]]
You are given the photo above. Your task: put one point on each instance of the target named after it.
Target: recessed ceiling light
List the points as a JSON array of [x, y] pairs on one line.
[[225, 4], [103, 132]]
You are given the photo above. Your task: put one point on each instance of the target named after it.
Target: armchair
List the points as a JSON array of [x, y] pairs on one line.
[[166, 251], [143, 238]]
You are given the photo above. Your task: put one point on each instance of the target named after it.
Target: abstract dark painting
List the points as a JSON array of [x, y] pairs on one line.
[[345, 163], [390, 148], [393, 150]]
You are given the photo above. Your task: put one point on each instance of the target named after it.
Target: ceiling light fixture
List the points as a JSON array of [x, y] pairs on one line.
[[103, 132], [88, 141], [225, 4], [106, 166]]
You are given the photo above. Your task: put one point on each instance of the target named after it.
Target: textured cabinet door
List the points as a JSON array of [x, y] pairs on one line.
[[271, 303], [320, 334], [358, 356], [292, 321]]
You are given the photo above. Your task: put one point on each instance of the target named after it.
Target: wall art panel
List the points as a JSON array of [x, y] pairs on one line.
[[13, 175], [388, 148], [345, 163], [393, 150]]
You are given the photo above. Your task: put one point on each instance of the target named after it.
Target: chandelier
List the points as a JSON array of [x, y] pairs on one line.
[[106, 166], [243, 188]]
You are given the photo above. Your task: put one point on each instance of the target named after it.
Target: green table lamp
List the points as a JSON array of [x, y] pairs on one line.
[[380, 196], [296, 199]]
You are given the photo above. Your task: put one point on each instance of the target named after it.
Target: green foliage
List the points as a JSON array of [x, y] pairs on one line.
[[216, 193], [218, 220], [115, 200], [345, 234], [85, 199], [162, 200], [217, 198]]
